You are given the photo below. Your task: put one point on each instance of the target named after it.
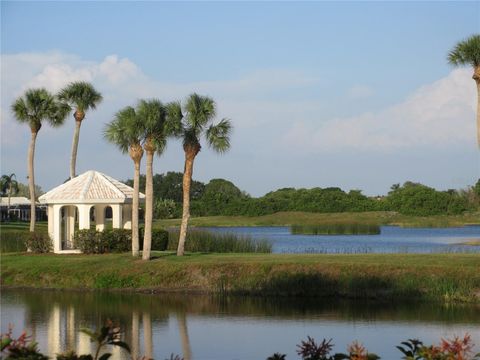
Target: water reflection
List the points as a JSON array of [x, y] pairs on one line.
[[205, 327]]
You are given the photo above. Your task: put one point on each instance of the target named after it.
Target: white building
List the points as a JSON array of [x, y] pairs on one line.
[[82, 202]]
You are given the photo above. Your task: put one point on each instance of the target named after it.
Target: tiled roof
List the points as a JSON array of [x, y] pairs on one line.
[[90, 187], [14, 200]]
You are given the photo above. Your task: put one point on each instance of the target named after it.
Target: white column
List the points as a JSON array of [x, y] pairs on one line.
[[70, 223], [50, 220], [127, 216], [57, 240], [84, 216], [117, 216], [100, 217]]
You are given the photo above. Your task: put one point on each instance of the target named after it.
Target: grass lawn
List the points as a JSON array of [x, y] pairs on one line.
[[305, 218], [439, 277]]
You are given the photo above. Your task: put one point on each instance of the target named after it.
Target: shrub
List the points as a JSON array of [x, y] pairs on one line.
[[159, 239], [116, 240], [91, 241], [38, 242], [88, 241]]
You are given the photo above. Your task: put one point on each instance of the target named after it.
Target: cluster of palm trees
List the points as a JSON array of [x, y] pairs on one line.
[[146, 128], [38, 106]]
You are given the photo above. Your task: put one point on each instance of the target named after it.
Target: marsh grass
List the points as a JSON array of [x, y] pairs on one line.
[[14, 234], [211, 242], [336, 229]]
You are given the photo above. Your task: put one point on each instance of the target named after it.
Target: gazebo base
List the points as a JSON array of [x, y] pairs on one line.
[[66, 252]]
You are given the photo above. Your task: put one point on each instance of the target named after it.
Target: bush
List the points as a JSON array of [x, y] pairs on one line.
[[99, 242], [88, 241], [159, 239], [38, 242]]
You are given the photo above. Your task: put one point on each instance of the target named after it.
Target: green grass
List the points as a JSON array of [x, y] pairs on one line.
[[305, 218], [13, 234], [439, 277]]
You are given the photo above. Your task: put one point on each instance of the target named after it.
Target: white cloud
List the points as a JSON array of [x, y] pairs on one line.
[[439, 114]]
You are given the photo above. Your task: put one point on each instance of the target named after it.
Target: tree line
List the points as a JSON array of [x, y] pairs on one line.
[[220, 197]]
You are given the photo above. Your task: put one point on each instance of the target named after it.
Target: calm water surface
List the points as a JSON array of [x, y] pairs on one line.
[[392, 239], [204, 327]]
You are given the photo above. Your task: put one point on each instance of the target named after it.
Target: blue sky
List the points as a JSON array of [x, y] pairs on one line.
[[349, 94]]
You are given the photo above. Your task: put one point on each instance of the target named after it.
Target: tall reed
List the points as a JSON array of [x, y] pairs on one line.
[[207, 241], [335, 229]]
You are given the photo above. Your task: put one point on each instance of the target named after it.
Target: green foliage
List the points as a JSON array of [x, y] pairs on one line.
[[421, 200], [81, 95], [310, 350], [160, 239], [38, 242], [335, 229], [211, 242], [448, 349], [91, 241], [165, 209], [466, 52], [13, 240]]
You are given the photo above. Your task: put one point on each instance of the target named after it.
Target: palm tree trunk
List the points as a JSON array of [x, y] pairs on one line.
[[135, 204], [147, 237], [184, 339], [187, 181], [31, 179], [478, 112], [73, 157]]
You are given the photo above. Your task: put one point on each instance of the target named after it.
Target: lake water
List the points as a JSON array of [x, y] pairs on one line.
[[211, 328], [392, 239]]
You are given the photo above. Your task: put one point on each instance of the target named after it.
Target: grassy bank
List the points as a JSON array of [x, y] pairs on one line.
[[305, 218], [440, 277]]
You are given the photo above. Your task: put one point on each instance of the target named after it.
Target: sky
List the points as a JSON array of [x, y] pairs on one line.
[[357, 95]]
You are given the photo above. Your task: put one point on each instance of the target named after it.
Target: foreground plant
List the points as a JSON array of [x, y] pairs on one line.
[[448, 349], [310, 350]]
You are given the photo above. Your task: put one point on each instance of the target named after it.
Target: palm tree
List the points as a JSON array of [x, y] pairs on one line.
[[35, 106], [153, 115], [83, 97], [10, 185], [467, 52], [126, 131], [190, 127]]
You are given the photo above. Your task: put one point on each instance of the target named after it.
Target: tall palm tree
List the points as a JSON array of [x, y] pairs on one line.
[[153, 115], [36, 106], [126, 131], [199, 112], [83, 97], [9, 185], [467, 52]]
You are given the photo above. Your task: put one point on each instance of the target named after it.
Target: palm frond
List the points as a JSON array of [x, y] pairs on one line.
[[466, 52], [218, 136], [82, 95], [200, 110], [173, 123], [153, 115], [124, 130]]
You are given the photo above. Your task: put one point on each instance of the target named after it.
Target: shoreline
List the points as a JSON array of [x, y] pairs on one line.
[[448, 278]]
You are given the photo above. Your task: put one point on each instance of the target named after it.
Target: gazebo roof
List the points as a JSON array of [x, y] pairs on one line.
[[89, 188]]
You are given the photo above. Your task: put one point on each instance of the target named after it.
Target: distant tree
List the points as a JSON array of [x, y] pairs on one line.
[[24, 191], [9, 185], [83, 97], [197, 122], [467, 52], [34, 107]]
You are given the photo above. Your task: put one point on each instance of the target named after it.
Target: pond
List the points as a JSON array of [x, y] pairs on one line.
[[205, 327], [392, 239]]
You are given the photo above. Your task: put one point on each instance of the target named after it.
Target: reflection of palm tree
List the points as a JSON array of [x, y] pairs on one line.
[[185, 340], [135, 335], [36, 106], [467, 52], [147, 335]]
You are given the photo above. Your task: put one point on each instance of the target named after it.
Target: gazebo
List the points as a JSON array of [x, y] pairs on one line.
[[85, 199]]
